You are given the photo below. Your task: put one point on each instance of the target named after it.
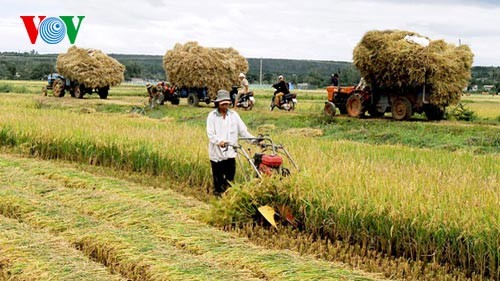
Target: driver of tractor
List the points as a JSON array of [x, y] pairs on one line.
[[362, 84], [168, 89], [244, 87], [281, 90], [335, 79]]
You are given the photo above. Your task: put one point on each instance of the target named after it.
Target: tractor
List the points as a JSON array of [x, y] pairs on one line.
[[60, 84], [402, 103]]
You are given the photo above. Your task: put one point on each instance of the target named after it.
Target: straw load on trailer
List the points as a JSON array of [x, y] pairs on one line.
[[90, 69], [190, 65], [402, 60], [403, 73]]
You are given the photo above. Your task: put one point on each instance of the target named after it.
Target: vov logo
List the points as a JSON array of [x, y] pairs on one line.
[[52, 30]]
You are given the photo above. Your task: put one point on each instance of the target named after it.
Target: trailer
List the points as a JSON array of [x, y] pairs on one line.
[[402, 103]]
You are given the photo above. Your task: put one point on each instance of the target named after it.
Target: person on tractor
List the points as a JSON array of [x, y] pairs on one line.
[[244, 87], [281, 90], [362, 85], [335, 79], [168, 89], [224, 126]]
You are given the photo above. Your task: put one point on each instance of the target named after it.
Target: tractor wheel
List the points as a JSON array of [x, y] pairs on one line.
[[401, 109], [58, 88], [175, 100], [330, 109], [343, 109], [355, 105], [434, 112], [78, 92], [103, 93], [193, 100]]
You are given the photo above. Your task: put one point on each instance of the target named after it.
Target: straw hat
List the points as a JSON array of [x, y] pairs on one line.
[[223, 97]]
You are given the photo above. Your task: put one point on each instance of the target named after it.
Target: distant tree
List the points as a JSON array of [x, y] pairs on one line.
[[7, 70], [268, 78], [41, 70], [132, 69]]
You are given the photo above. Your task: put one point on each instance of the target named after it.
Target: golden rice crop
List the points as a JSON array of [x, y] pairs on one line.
[[421, 204]]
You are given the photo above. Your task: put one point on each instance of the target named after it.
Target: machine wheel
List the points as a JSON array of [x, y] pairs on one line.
[[434, 112], [401, 109], [291, 106], [330, 109], [58, 88], [374, 112], [272, 106], [285, 172], [161, 99], [233, 99], [78, 92], [193, 100], [103, 93], [175, 100], [354, 105], [343, 109]]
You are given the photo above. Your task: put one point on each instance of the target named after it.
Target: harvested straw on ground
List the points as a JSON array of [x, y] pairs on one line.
[[389, 61], [192, 65], [91, 67]]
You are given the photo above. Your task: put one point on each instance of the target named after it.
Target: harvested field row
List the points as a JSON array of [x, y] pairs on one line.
[[29, 254], [140, 232]]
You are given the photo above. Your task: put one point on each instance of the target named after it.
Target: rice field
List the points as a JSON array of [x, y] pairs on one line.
[[60, 223], [390, 193]]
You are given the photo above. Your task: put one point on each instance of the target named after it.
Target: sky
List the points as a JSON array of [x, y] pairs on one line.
[[306, 29]]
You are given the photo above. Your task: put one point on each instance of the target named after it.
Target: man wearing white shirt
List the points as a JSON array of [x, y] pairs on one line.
[[224, 126]]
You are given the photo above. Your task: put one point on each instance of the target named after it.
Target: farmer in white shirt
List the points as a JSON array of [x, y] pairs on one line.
[[224, 126]]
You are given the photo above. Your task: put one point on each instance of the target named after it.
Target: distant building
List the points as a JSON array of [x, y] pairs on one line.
[[302, 86], [137, 81], [474, 88], [488, 87]]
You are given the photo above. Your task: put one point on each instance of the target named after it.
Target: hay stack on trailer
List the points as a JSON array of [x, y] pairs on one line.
[[91, 69], [193, 66], [403, 61]]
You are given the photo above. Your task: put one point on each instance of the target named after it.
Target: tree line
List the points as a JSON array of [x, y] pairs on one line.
[[34, 66]]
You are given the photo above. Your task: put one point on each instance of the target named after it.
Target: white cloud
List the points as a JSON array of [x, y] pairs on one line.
[[326, 30]]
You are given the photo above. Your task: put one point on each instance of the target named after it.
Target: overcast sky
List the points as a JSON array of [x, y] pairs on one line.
[[314, 29]]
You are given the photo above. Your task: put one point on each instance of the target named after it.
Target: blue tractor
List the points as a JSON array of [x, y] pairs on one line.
[[60, 84]]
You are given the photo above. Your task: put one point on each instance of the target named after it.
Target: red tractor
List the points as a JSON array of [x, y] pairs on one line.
[[401, 103]]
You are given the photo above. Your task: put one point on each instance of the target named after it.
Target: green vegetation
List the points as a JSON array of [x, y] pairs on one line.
[[25, 66]]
